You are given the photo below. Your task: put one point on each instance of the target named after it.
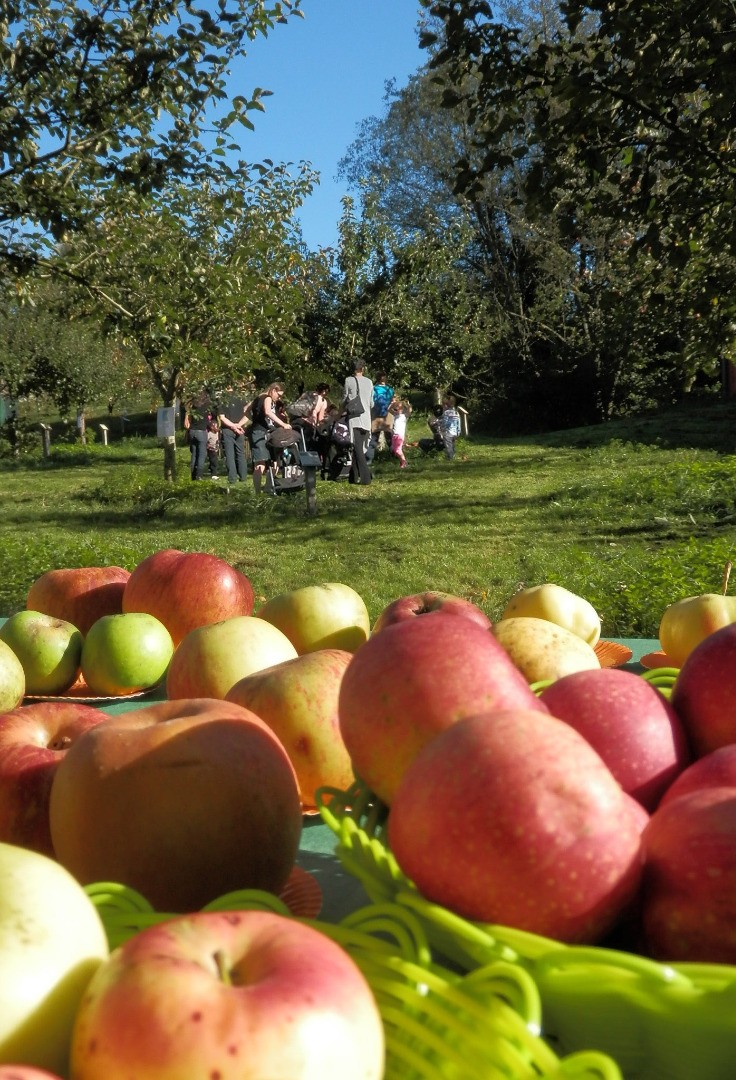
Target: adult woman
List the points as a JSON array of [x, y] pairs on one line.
[[265, 416]]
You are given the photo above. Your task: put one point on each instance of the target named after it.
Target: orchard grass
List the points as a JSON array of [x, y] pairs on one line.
[[633, 515]]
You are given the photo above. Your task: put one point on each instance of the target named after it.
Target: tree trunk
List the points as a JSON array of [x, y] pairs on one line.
[[170, 457]]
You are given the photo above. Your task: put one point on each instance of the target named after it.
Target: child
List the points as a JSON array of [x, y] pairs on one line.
[[402, 412], [449, 426], [213, 447]]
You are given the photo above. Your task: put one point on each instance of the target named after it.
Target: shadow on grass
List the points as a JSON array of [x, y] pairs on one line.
[[695, 424]]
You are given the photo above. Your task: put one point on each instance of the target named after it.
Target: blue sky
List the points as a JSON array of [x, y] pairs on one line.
[[327, 73]]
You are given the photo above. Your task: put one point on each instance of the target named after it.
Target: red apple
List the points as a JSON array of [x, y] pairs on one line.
[[229, 995], [80, 595], [717, 769], [25, 1072], [511, 817], [33, 740], [704, 694], [298, 700], [408, 607], [211, 659], [629, 722], [185, 590], [689, 895], [182, 800], [413, 680]]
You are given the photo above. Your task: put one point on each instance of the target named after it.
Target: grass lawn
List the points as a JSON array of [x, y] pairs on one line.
[[633, 515]]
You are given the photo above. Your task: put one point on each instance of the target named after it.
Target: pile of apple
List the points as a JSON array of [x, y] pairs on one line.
[[565, 812], [594, 805]]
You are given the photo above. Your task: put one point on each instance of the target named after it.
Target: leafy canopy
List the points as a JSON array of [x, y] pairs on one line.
[[104, 93]]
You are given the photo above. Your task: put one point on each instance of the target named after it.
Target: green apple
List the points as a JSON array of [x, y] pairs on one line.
[[51, 943], [324, 616], [126, 653], [49, 649], [557, 605], [12, 679]]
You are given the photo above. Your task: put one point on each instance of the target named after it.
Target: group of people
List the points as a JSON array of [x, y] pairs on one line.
[[368, 412]]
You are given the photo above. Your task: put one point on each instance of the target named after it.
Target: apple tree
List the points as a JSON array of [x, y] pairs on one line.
[[99, 95], [45, 351], [204, 281]]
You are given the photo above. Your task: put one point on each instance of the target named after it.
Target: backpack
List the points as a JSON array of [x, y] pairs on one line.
[[382, 398], [341, 432], [302, 406]]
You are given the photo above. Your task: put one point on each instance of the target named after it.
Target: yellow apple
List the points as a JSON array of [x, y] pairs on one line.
[[324, 616], [542, 650], [51, 943], [12, 679], [557, 605], [685, 623]]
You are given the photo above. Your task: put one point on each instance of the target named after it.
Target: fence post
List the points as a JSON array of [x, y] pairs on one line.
[[46, 439], [310, 486]]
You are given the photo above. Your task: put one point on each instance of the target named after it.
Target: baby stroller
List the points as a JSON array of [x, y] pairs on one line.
[[337, 450], [284, 471]]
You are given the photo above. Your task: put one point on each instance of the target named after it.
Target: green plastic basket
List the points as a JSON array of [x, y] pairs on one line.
[[439, 1024], [658, 1021]]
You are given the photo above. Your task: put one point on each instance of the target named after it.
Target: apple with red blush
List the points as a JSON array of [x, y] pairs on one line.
[[298, 700], [716, 769], [629, 723], [512, 817], [688, 903], [229, 995], [33, 741], [184, 590], [704, 694], [79, 595], [182, 800], [412, 680], [409, 607]]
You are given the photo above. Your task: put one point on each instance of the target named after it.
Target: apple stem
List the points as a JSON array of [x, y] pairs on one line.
[[62, 743], [726, 575], [222, 968]]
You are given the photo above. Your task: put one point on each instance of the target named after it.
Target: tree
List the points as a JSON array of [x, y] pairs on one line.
[[205, 282], [46, 351], [105, 94], [628, 112], [568, 326]]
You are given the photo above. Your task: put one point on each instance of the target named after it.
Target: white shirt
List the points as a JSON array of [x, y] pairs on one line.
[[399, 427]]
